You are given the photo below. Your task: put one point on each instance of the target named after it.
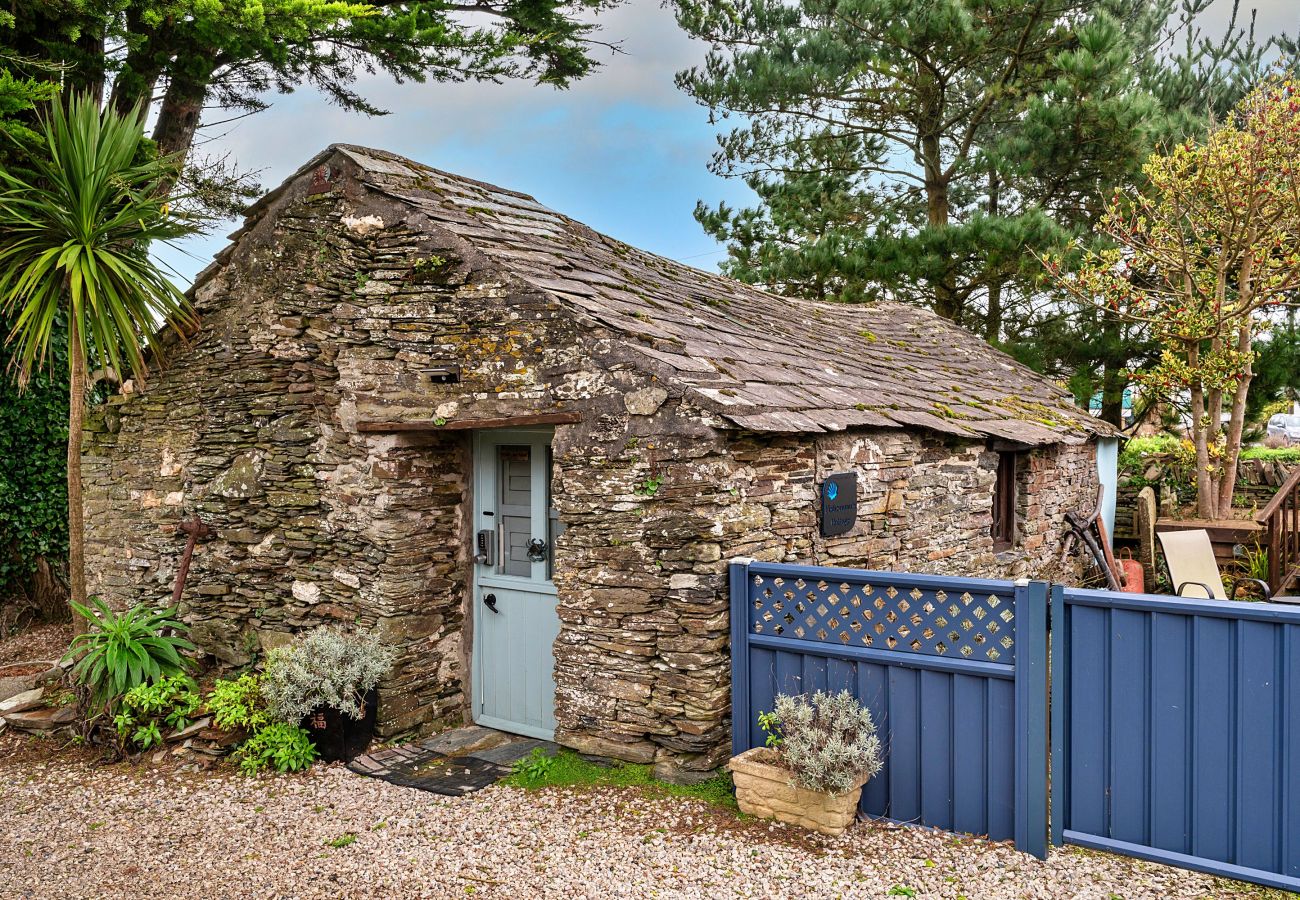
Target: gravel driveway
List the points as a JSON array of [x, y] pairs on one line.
[[70, 828]]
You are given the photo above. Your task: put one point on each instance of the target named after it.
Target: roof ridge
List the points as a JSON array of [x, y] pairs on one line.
[[763, 361]]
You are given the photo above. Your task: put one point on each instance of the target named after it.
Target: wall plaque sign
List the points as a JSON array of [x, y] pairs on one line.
[[839, 503]]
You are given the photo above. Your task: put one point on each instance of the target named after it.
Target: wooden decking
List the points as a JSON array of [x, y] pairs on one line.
[[1225, 534]]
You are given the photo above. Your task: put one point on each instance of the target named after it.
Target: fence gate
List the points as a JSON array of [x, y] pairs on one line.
[[1176, 731], [954, 671]]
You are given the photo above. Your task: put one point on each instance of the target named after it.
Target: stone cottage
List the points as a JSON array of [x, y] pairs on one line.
[[525, 451]]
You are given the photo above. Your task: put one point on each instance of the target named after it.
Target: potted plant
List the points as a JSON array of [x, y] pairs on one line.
[[821, 749], [326, 681]]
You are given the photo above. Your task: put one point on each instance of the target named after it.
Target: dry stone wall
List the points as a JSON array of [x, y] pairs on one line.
[[334, 311], [642, 661], [329, 313]]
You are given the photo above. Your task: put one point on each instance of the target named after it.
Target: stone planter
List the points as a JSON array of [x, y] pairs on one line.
[[764, 789], [339, 737]]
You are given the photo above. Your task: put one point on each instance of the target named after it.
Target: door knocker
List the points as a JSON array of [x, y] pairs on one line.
[[537, 550]]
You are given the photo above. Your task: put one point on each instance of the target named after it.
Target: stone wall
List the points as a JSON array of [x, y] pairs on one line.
[[642, 662], [329, 313], [279, 426]]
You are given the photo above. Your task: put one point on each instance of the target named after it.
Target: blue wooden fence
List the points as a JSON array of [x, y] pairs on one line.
[[1176, 731], [954, 671]]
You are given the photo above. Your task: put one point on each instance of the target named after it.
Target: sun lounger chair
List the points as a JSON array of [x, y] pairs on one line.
[[1194, 572]]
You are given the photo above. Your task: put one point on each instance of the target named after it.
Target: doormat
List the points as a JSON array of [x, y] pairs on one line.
[[454, 763]]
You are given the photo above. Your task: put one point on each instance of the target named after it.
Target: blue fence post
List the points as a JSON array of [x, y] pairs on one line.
[[1060, 650], [1031, 717], [739, 587]]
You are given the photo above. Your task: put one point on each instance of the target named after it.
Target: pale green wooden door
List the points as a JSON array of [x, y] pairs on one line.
[[515, 622]]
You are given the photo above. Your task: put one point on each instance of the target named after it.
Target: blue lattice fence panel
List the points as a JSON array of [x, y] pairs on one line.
[[934, 658], [972, 620], [1176, 731]]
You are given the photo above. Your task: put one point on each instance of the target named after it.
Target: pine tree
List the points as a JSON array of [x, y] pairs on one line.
[[182, 57], [931, 150]]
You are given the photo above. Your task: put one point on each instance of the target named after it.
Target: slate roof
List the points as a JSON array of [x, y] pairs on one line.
[[764, 362]]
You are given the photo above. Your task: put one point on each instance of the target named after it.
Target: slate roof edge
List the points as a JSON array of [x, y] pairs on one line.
[[744, 417]]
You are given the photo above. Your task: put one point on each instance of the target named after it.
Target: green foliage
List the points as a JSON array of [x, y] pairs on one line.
[[328, 667], [279, 746], [20, 96], [237, 704], [148, 709], [1256, 563], [1174, 457], [346, 839], [827, 741], [1014, 114], [1138, 452], [1274, 454], [771, 726], [567, 769], [33, 480], [188, 57], [126, 650], [650, 486], [76, 244], [1277, 369], [535, 767]]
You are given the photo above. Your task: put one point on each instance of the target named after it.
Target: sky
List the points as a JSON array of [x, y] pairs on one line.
[[623, 150]]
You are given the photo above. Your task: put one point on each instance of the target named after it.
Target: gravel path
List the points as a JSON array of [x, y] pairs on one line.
[[71, 828]]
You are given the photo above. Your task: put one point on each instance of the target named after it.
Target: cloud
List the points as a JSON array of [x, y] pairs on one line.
[[622, 150]]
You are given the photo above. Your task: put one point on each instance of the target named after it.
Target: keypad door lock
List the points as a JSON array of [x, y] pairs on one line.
[[537, 550]]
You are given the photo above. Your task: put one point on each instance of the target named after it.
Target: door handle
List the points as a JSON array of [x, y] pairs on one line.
[[490, 601]]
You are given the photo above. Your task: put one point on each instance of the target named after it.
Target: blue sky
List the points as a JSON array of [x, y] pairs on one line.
[[623, 151]]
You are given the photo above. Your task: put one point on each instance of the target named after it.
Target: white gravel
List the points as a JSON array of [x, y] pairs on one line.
[[74, 829]]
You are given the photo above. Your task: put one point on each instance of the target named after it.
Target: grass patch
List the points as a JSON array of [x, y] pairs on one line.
[[568, 769]]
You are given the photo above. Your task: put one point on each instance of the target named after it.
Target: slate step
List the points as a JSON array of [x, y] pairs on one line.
[[454, 763]]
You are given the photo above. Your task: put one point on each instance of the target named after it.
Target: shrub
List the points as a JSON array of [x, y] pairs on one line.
[[34, 478], [1283, 454], [125, 650], [827, 741], [238, 705], [327, 668], [147, 709], [279, 746]]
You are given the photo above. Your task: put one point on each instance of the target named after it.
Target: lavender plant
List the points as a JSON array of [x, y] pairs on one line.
[[329, 667], [827, 741]]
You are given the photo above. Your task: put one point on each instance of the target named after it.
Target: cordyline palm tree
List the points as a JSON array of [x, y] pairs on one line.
[[74, 250]]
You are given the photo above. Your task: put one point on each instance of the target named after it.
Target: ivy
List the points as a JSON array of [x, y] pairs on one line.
[[33, 471]]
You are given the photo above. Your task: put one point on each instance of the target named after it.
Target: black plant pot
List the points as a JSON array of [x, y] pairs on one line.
[[339, 737]]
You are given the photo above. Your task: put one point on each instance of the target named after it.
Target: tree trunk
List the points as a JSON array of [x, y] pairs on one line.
[[929, 123], [138, 77], [178, 116], [1206, 499], [1113, 384], [91, 73], [993, 322], [76, 421], [1236, 425]]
